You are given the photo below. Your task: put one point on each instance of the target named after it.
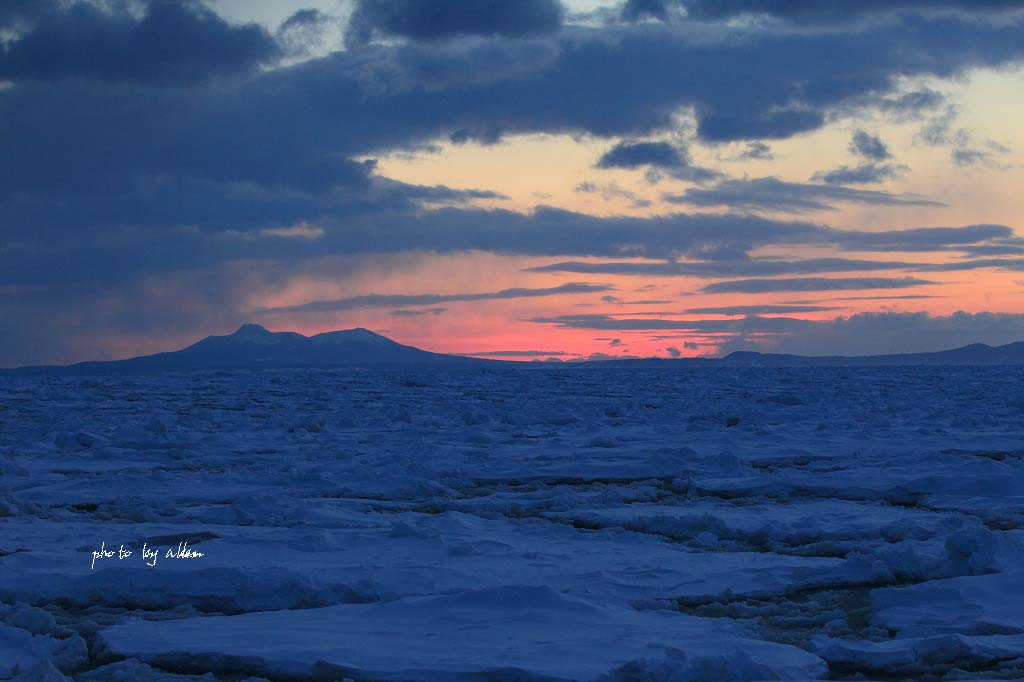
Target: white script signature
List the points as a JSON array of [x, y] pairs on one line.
[[149, 554]]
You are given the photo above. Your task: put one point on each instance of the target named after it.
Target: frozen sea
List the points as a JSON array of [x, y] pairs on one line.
[[569, 523]]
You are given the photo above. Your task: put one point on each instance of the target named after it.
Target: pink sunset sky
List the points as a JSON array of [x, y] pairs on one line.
[[561, 180]]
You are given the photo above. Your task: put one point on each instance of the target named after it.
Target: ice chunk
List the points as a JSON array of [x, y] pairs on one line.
[[971, 605], [534, 630], [912, 657], [36, 621], [22, 652]]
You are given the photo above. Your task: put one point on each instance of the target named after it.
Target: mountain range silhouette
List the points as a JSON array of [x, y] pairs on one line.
[[255, 347]]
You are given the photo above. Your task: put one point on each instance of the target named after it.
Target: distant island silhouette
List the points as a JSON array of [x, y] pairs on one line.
[[255, 347]]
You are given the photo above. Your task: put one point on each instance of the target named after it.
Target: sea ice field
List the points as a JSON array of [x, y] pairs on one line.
[[514, 524]]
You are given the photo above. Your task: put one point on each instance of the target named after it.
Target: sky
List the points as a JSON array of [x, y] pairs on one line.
[[520, 179]]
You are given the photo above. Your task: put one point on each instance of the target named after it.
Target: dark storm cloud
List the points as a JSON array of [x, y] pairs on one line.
[[386, 300], [609, 323], [969, 157], [905, 297], [922, 238], [772, 194], [169, 42], [757, 150], [791, 73], [275, 148], [775, 123], [761, 286], [429, 20], [658, 154], [910, 105], [116, 256], [302, 31], [163, 183], [865, 173], [994, 250], [1012, 264], [296, 127], [612, 191], [874, 169], [552, 231], [869, 146], [727, 268]]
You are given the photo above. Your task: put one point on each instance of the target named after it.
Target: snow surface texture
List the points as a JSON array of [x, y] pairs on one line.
[[514, 524]]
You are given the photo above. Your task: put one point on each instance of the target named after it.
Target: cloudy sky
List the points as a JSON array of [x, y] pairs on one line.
[[520, 178]]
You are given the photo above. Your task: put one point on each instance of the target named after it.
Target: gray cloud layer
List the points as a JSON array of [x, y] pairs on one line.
[[882, 333], [766, 309], [428, 20], [170, 42], [726, 268], [389, 300], [772, 194], [859, 334], [761, 286]]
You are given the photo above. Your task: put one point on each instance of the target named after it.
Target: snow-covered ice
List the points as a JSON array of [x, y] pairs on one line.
[[570, 523], [534, 630]]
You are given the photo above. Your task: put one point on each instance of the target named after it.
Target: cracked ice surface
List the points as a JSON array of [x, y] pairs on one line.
[[558, 523]]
